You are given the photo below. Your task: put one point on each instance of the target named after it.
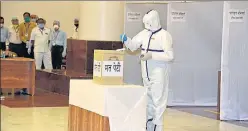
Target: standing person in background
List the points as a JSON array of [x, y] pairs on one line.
[[40, 38], [75, 31], [25, 32], [34, 18], [15, 43], [59, 43], [4, 34]]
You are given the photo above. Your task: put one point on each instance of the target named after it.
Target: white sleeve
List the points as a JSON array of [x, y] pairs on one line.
[[32, 37], [167, 46], [136, 42]]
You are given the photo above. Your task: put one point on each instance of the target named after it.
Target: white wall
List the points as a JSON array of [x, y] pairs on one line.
[[64, 11]]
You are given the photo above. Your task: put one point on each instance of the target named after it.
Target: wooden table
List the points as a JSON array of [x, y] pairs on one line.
[[18, 73]]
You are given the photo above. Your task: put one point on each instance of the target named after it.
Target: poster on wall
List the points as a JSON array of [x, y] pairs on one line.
[[178, 16], [112, 68], [133, 16], [236, 15]]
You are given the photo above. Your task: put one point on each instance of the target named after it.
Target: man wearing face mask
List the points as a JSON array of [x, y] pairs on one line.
[[15, 43], [34, 18], [40, 39], [156, 54], [75, 30], [59, 43], [4, 34], [25, 30]]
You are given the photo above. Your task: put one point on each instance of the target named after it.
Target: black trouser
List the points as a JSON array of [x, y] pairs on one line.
[[57, 56], [31, 55], [3, 46], [19, 49]]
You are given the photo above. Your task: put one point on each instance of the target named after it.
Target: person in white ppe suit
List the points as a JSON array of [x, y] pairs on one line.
[[157, 52]]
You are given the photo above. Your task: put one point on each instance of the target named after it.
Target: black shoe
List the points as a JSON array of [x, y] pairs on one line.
[[18, 93], [25, 93], [148, 121]]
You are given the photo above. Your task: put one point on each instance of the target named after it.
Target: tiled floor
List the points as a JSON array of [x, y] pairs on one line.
[[55, 119], [209, 112], [49, 112], [41, 99]]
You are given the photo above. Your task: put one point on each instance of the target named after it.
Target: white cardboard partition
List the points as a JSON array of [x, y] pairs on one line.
[[234, 84], [196, 29], [124, 105]]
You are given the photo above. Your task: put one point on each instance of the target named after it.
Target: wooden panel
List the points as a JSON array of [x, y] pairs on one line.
[[83, 120], [18, 73], [57, 81]]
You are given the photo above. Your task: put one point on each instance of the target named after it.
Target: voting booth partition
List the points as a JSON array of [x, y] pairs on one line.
[[196, 28], [234, 64]]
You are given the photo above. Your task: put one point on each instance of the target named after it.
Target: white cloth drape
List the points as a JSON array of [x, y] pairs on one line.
[[197, 49], [234, 84]]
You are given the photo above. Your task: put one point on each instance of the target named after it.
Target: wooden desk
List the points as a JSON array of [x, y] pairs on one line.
[[18, 73]]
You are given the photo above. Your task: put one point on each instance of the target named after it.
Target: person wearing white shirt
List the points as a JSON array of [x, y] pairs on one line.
[[75, 30], [59, 43], [14, 43], [40, 38], [4, 32]]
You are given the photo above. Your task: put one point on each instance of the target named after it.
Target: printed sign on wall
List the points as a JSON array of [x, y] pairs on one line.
[[97, 68], [236, 15], [112, 68], [133, 16], [178, 16]]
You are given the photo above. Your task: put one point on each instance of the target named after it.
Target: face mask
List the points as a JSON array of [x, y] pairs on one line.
[[33, 20], [1, 25], [76, 25], [27, 19], [41, 26], [56, 27]]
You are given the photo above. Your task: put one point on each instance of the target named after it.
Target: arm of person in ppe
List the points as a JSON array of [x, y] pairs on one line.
[[134, 43], [65, 45], [167, 46]]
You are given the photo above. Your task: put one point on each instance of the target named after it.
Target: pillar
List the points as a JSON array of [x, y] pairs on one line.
[[101, 20]]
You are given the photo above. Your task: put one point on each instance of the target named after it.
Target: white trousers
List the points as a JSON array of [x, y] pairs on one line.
[[157, 92], [45, 57]]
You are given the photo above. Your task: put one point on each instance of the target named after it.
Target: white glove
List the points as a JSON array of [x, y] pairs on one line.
[[29, 51], [64, 54], [146, 56], [27, 44]]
